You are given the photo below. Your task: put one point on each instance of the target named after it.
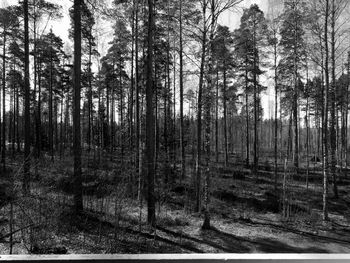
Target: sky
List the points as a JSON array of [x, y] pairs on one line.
[[61, 26]]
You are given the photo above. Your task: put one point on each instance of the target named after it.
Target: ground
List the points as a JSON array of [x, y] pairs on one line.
[[246, 214]]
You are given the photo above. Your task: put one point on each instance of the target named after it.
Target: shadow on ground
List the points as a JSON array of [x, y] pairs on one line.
[[263, 245]]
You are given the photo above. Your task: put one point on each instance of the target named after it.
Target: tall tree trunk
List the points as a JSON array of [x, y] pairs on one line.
[[78, 196], [150, 119], [199, 119], [17, 120], [131, 94], [167, 99], [247, 111], [14, 116], [61, 128], [208, 98], [26, 168], [121, 114], [112, 119], [333, 135], [325, 124], [347, 116], [307, 134], [276, 109], [295, 101], [225, 114], [108, 94], [137, 101], [256, 106], [182, 145], [3, 148], [89, 134], [50, 102], [38, 113], [217, 117]]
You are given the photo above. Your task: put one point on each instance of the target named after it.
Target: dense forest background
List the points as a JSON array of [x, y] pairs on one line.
[[184, 136]]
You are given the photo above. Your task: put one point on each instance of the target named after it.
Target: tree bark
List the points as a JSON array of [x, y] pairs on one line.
[[26, 168], [325, 124], [50, 103], [199, 120], [333, 135], [3, 148], [78, 196], [150, 133], [182, 145], [225, 114], [276, 109]]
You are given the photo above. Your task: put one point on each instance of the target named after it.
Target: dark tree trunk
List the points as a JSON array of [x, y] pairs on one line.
[[182, 145], [137, 101], [247, 119], [217, 117], [276, 111], [325, 123], [3, 148], [150, 119], [50, 103], [26, 168], [199, 122], [78, 196], [89, 133], [225, 115]]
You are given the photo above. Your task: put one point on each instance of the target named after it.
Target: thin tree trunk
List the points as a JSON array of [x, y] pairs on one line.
[[150, 119], [256, 107], [347, 117], [89, 134], [333, 135], [182, 145], [78, 197], [26, 168], [199, 120], [247, 127], [217, 117], [325, 124], [276, 111], [137, 101], [307, 134], [3, 148], [295, 102], [50, 103], [225, 115]]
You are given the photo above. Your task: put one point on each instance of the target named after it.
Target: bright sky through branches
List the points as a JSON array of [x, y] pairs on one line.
[[229, 18]]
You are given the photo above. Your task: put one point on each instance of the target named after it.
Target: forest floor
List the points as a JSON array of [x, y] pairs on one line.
[[246, 215]]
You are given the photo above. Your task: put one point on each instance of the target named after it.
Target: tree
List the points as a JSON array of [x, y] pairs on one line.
[[336, 9], [150, 132], [49, 58], [293, 58], [39, 10], [8, 21], [250, 37], [325, 119], [182, 145], [273, 41], [224, 59], [216, 8], [253, 21], [26, 167], [78, 197]]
